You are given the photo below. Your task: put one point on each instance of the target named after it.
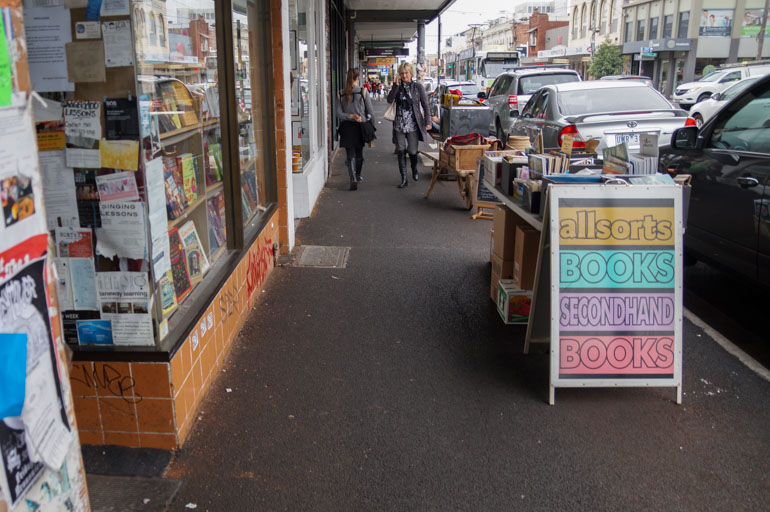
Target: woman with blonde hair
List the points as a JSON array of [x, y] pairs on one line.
[[354, 108], [412, 119]]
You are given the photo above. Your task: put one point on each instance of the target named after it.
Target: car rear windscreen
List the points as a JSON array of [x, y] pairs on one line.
[[530, 84], [589, 101]]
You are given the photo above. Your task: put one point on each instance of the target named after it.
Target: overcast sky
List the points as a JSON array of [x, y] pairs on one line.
[[459, 17]]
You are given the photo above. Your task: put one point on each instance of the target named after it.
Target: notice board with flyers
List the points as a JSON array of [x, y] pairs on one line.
[[609, 298]]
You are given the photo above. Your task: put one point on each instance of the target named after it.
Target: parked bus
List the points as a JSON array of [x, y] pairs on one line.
[[482, 67]]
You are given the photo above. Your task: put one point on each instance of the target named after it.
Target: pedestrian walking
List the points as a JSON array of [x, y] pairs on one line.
[[412, 119], [354, 109]]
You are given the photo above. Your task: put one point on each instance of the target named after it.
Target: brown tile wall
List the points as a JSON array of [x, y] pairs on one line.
[[153, 405], [279, 111]]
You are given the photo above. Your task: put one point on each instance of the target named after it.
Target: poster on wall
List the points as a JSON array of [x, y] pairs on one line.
[[616, 286], [47, 32], [752, 23], [41, 435], [716, 22], [21, 189]]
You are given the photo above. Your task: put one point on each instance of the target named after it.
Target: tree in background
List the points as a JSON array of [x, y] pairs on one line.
[[606, 61]]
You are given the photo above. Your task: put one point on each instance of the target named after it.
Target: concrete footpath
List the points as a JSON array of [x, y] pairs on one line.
[[392, 384]]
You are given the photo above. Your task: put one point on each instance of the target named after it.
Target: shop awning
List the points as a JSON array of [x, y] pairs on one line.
[[389, 21]]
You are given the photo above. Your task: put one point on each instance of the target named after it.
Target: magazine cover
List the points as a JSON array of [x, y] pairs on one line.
[[197, 263], [216, 217], [179, 273], [175, 203], [186, 165]]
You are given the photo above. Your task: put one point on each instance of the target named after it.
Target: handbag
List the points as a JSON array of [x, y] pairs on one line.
[[390, 112], [367, 131]]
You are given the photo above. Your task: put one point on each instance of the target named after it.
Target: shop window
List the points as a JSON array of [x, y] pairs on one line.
[[163, 201], [306, 84]]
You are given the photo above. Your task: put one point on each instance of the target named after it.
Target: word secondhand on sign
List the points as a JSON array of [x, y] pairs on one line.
[[612, 312], [616, 226]]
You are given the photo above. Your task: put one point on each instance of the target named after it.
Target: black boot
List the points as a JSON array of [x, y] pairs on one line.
[[402, 168], [351, 174], [359, 167], [413, 160]]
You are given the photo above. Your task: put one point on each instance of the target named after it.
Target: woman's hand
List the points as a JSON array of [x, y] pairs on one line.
[[355, 117], [428, 127]]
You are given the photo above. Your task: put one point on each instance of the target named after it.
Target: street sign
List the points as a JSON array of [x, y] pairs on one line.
[[647, 49], [651, 54]]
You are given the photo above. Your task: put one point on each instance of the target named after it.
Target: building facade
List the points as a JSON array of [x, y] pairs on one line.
[[688, 35]]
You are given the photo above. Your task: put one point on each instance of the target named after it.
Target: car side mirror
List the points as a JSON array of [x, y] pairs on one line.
[[685, 138], [717, 96], [514, 113], [481, 95]]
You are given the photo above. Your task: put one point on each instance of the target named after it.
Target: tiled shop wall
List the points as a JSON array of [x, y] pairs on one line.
[[153, 405]]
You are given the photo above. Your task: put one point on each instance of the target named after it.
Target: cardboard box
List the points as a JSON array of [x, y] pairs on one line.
[[513, 303], [504, 229], [494, 280], [525, 256], [503, 268]]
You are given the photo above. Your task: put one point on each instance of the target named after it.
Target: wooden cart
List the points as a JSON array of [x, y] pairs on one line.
[[460, 162]]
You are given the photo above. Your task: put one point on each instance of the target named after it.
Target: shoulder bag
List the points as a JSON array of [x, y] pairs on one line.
[[390, 112]]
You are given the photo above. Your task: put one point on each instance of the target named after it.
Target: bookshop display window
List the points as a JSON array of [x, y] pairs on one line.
[[147, 202], [306, 86], [252, 98]]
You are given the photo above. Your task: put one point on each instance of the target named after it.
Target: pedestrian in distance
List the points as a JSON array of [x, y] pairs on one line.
[[412, 119], [353, 109]]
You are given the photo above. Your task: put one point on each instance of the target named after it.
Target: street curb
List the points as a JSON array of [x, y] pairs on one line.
[[728, 345]]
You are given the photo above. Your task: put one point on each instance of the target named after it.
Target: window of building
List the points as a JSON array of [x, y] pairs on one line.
[[575, 25], [653, 28], [611, 16], [627, 36], [684, 22], [640, 29], [668, 26], [306, 85], [583, 21], [602, 18]]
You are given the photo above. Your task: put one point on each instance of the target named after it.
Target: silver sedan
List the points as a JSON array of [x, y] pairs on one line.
[[610, 111]]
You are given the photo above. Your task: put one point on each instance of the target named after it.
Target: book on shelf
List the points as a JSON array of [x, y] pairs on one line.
[[175, 203], [171, 109], [215, 212], [197, 262], [186, 163], [213, 163], [184, 102], [168, 301], [179, 271], [249, 195]]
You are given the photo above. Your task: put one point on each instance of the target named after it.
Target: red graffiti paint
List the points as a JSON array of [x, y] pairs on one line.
[[259, 263]]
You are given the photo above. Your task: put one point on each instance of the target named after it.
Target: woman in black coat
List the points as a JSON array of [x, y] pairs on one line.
[[353, 110], [412, 119]]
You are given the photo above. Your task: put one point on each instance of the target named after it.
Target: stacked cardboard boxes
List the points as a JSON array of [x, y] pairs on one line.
[[503, 240]]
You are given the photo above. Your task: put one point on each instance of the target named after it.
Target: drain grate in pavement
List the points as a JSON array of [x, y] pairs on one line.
[[319, 256]]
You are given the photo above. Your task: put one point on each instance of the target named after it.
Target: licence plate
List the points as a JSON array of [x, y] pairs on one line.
[[631, 139]]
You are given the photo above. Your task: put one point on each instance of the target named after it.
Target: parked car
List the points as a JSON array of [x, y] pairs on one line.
[[703, 110], [469, 89], [728, 157], [511, 90], [686, 95], [610, 111], [638, 78]]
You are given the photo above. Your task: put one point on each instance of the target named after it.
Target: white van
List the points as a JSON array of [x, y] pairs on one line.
[[686, 95]]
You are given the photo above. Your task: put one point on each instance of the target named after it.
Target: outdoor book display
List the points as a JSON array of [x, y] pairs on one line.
[[604, 287]]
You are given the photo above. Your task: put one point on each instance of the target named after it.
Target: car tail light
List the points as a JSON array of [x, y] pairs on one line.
[[513, 101], [571, 129], [690, 122]]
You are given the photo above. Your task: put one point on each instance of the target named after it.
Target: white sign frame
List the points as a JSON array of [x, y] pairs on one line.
[[623, 194]]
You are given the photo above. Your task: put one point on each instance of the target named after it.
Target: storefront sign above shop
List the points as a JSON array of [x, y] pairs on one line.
[[657, 45], [386, 52]]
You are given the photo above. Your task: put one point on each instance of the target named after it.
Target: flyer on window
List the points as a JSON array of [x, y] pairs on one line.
[[124, 300]]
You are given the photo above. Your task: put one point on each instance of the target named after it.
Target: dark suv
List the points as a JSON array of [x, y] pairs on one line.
[[512, 89], [729, 159]]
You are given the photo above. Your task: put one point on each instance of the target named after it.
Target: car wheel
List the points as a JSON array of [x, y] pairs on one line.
[[499, 133], [704, 97], [698, 120]]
